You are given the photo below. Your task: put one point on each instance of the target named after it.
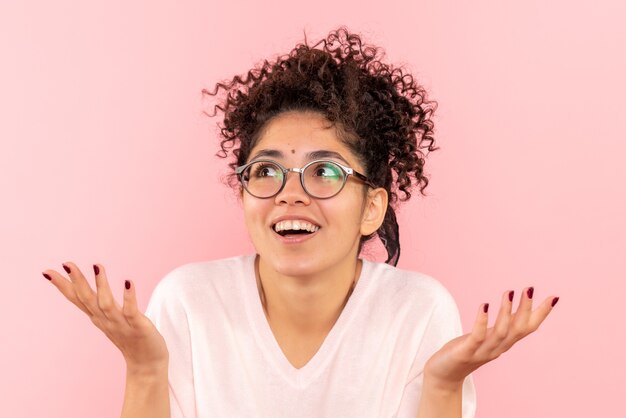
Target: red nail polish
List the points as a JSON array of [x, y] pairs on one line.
[[511, 293], [67, 269], [127, 284], [554, 301], [529, 292], [96, 269], [50, 278], [485, 307]]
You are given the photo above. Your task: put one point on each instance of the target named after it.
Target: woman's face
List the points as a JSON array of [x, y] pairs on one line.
[[288, 139]]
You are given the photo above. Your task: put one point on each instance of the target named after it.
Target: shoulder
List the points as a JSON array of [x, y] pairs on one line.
[[405, 286], [191, 277], [197, 288], [422, 303]]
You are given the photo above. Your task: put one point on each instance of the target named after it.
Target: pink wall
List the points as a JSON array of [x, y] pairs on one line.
[[106, 157]]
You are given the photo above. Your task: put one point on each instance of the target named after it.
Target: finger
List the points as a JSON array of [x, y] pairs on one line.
[[522, 315], [501, 327], [495, 342], [525, 303], [541, 313], [106, 302], [479, 331], [84, 292], [66, 287], [131, 312]]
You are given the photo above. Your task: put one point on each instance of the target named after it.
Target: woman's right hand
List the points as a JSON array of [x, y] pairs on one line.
[[141, 344]]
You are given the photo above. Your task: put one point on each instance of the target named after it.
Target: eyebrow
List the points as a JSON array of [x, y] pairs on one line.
[[313, 155]]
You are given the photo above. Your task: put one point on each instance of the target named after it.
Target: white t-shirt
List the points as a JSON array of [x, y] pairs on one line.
[[225, 361]]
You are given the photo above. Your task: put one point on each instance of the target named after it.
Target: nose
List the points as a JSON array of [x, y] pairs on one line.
[[292, 193]]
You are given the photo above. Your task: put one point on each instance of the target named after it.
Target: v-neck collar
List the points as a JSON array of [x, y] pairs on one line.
[[268, 343]]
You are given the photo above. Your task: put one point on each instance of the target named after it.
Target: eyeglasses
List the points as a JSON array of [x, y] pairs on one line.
[[321, 179]]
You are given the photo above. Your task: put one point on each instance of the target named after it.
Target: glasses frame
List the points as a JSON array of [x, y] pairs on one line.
[[346, 170]]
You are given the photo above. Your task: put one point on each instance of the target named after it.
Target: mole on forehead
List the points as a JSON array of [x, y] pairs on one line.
[[293, 151]]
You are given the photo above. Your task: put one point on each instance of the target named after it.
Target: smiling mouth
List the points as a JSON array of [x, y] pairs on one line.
[[293, 232], [294, 229]]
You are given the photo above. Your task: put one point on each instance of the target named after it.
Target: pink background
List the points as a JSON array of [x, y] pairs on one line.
[[106, 157]]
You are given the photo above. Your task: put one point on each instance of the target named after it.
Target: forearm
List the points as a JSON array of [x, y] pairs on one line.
[[440, 401], [146, 394]]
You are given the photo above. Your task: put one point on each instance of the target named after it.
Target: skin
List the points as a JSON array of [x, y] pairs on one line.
[[142, 346], [306, 284], [464, 354]]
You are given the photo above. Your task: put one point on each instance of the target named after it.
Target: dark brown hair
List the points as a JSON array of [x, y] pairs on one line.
[[383, 112]]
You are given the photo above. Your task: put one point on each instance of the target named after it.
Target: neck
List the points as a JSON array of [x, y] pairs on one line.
[[306, 305]]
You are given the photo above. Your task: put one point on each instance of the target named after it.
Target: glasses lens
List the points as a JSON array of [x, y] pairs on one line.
[[263, 179], [323, 179]]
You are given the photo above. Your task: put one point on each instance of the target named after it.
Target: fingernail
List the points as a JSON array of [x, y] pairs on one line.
[[127, 284], [50, 278], [485, 307], [96, 269], [554, 301], [511, 296], [529, 292], [67, 269]]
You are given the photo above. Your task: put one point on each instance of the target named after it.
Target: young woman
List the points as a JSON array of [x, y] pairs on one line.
[[326, 141]]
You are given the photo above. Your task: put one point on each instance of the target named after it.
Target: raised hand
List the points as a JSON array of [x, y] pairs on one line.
[[449, 366], [141, 344]]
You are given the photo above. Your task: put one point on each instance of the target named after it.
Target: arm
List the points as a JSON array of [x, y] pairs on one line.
[[440, 401], [146, 394], [141, 344], [445, 370]]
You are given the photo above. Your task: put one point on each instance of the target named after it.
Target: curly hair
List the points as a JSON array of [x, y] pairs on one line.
[[381, 113]]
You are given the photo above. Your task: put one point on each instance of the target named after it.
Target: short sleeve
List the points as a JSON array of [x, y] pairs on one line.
[[166, 311], [443, 325]]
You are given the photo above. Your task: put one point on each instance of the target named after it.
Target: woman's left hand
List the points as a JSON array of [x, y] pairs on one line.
[[449, 366]]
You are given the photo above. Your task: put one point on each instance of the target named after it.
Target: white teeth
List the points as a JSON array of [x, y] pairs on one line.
[[295, 225]]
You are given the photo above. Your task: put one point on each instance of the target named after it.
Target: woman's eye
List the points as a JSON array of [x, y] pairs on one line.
[[265, 171], [327, 171]]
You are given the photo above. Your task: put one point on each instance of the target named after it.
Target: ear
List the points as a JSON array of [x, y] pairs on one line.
[[374, 211]]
